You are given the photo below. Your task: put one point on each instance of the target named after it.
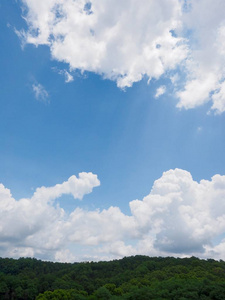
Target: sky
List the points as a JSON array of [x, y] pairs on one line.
[[112, 129]]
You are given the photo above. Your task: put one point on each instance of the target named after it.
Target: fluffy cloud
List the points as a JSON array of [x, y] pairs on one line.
[[184, 215], [123, 42], [34, 226], [205, 64], [179, 217], [129, 41], [78, 187]]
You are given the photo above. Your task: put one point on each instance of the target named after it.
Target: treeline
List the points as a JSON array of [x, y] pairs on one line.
[[138, 277]]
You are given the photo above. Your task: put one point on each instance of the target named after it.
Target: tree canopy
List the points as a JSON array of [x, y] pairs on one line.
[[137, 277]]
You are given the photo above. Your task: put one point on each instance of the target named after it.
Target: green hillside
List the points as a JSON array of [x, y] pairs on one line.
[[138, 277]]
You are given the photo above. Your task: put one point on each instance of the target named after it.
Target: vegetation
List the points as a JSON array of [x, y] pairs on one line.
[[138, 277]]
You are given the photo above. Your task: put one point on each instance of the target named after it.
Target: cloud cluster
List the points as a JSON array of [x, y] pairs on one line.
[[179, 217], [34, 226], [123, 42], [184, 215], [128, 41]]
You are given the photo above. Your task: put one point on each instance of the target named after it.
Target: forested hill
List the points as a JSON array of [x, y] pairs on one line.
[[138, 277]]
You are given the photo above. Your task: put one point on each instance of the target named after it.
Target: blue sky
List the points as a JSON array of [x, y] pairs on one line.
[[88, 102]]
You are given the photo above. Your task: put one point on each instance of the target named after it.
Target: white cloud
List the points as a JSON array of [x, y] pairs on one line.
[[36, 224], [65, 73], [128, 41], [68, 76], [78, 187], [39, 91], [160, 91], [179, 217], [122, 42], [205, 63], [219, 98], [64, 256], [174, 78], [197, 91]]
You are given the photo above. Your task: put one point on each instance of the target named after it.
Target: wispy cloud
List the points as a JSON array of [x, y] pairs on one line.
[[199, 129], [160, 91], [68, 76], [39, 92]]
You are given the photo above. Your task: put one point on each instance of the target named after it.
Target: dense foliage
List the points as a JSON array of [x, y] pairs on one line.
[[138, 277]]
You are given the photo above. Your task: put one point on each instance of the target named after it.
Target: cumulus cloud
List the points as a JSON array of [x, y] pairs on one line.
[[129, 41], [78, 187], [39, 92], [35, 226], [179, 217], [205, 63], [122, 42]]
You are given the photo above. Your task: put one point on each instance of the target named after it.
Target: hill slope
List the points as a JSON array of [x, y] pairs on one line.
[[138, 277]]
